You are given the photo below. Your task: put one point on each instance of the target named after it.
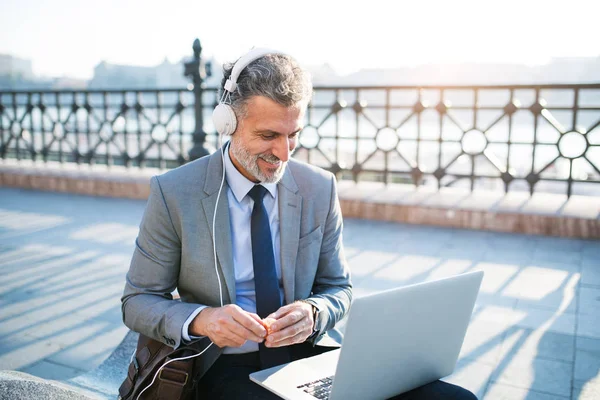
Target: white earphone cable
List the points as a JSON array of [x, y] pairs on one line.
[[215, 219]]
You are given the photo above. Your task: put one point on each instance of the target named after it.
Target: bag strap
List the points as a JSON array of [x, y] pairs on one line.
[[149, 357]]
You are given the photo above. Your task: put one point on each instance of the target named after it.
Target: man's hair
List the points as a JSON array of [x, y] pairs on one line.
[[275, 76]]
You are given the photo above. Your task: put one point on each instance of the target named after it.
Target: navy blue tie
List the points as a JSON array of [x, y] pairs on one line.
[[266, 283]]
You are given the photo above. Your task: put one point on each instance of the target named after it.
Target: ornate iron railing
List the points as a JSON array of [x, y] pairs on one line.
[[131, 128], [519, 137]]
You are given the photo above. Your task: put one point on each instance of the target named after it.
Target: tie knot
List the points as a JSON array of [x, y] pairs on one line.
[[257, 193]]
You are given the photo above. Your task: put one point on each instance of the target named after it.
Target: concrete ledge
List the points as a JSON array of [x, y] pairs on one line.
[[518, 212], [18, 385], [95, 180]]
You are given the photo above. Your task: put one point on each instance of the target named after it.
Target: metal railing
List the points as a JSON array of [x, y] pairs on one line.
[[513, 137], [523, 137]]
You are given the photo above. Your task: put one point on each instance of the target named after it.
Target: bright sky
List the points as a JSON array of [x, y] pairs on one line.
[[70, 37]]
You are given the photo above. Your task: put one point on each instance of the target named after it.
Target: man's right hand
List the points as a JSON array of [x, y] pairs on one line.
[[228, 326]]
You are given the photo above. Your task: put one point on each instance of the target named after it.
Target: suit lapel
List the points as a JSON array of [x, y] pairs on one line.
[[222, 224], [290, 211]]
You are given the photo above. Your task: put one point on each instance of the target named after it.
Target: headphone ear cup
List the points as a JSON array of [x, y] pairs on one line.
[[224, 119]]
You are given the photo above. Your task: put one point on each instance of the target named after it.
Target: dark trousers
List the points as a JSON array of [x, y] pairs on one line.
[[228, 379]]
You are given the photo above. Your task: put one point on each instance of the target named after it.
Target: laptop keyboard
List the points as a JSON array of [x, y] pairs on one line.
[[319, 388]]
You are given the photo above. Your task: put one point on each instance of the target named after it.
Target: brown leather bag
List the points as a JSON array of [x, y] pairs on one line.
[[176, 381]]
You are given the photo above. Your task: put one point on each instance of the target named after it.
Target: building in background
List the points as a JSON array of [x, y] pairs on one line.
[[164, 75], [15, 68]]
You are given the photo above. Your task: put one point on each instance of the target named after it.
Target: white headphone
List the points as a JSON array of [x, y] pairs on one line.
[[223, 115]]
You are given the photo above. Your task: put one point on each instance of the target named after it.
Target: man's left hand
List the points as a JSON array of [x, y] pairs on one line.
[[293, 324]]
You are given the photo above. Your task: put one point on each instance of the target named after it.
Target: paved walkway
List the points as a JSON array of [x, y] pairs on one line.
[[535, 332]]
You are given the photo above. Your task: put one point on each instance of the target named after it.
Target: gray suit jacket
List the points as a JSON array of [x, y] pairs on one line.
[[174, 249]]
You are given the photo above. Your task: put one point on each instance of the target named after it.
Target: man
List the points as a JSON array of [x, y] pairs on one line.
[[276, 281]]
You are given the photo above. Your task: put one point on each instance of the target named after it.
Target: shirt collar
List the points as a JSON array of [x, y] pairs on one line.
[[239, 184]]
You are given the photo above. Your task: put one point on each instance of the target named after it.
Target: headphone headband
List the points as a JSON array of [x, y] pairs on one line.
[[243, 62], [223, 115]]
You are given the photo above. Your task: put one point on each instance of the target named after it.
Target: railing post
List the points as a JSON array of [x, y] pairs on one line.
[[195, 70]]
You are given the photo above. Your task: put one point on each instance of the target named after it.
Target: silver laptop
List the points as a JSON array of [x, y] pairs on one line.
[[395, 341]]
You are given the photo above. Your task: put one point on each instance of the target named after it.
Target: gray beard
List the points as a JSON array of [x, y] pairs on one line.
[[250, 162]]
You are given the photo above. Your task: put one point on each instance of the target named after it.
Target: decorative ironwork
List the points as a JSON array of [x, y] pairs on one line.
[[197, 71], [131, 128], [522, 137]]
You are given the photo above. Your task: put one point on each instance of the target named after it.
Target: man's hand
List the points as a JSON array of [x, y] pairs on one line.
[[293, 324], [228, 326]]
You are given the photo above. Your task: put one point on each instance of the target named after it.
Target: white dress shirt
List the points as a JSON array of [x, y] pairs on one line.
[[240, 211]]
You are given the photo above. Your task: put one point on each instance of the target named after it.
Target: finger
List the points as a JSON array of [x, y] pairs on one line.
[[288, 320], [282, 311], [239, 329], [222, 335], [255, 329], [299, 338], [302, 326], [256, 317], [225, 321]]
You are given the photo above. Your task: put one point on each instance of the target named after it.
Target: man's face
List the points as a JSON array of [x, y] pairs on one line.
[[265, 139]]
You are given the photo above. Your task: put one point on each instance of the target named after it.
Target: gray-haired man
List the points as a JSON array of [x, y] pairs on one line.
[[282, 274]]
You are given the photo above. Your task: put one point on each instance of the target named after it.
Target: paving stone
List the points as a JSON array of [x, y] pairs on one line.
[[587, 365], [542, 286], [366, 263], [529, 344], [496, 276], [590, 273], [49, 370], [503, 316], [591, 250], [431, 246], [51, 276], [548, 376], [531, 319], [498, 391], [554, 264], [587, 344], [513, 243], [483, 342], [89, 354], [67, 330], [86, 303], [589, 300], [15, 357], [546, 243], [502, 256], [588, 325], [496, 300], [450, 267], [404, 270], [554, 303], [557, 256]]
